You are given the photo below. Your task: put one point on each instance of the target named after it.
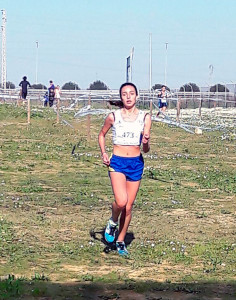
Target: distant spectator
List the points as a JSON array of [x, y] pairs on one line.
[[51, 97], [24, 85], [46, 99], [51, 93], [51, 85], [57, 93]]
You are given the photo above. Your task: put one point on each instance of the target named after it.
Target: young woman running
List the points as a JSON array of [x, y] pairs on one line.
[[130, 128], [162, 96]]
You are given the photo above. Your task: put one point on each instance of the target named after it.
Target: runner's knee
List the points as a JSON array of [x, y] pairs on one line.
[[121, 202]]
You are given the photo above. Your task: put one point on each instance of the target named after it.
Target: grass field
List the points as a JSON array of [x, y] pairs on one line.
[[54, 205]]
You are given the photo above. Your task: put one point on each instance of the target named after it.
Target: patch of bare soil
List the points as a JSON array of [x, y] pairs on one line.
[[98, 291]]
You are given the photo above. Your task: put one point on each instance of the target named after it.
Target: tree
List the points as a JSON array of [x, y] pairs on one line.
[[70, 86], [38, 86], [158, 86], [189, 87], [219, 88], [98, 85], [9, 85]]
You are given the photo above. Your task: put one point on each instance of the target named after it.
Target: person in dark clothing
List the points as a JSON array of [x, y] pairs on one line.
[[24, 85], [51, 97], [51, 85], [46, 99], [51, 93]]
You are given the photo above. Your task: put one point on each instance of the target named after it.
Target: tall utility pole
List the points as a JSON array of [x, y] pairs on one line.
[[37, 54], [211, 68], [4, 66], [150, 61], [166, 63]]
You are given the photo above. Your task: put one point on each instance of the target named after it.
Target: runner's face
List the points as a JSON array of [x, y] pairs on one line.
[[128, 96]]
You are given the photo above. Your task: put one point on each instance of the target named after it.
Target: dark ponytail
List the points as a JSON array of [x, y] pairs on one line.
[[118, 103]]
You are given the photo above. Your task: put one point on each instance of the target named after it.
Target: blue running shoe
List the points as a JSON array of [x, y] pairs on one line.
[[121, 249], [110, 231]]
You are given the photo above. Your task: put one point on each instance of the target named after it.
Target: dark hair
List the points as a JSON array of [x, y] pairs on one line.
[[128, 83], [24, 78], [119, 103], [163, 86]]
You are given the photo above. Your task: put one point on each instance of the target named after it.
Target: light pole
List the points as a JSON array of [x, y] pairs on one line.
[[36, 71], [150, 70], [166, 62], [211, 68], [150, 62], [4, 64]]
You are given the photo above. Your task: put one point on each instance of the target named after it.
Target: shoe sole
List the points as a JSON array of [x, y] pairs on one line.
[[123, 253], [108, 238]]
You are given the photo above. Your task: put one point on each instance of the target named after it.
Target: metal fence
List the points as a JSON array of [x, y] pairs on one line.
[[101, 98]]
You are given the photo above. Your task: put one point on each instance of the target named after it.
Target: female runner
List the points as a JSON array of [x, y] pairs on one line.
[[130, 128]]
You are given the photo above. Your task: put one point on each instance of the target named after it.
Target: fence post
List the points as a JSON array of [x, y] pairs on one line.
[[89, 121], [200, 107], [28, 111], [18, 100], [225, 98], [151, 107], [108, 104], [58, 106], [178, 109], [38, 99]]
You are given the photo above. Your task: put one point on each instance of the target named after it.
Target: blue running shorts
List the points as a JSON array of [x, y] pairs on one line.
[[161, 104], [131, 167]]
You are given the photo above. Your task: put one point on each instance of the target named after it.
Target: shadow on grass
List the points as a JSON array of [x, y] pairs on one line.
[[42, 289], [99, 236]]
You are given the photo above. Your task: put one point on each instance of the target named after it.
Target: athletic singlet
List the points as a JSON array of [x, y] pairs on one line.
[[162, 97], [127, 133]]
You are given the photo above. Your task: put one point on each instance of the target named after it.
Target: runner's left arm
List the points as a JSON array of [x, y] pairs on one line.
[[146, 133]]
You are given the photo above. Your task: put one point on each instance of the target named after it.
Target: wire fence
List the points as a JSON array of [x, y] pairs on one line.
[[96, 98], [192, 112]]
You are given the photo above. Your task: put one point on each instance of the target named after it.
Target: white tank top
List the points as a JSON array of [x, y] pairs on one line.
[[127, 133]]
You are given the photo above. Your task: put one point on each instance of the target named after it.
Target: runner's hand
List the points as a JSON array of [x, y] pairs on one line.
[[146, 138], [105, 159]]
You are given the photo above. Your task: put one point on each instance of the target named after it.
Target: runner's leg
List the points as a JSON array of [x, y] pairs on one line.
[[132, 188], [118, 182]]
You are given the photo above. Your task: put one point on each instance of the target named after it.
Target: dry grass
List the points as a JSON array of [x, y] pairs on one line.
[[54, 206]]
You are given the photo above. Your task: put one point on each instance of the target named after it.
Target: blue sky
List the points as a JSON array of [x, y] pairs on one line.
[[87, 40]]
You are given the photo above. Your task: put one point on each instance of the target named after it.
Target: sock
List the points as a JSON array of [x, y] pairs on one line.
[[112, 223]]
